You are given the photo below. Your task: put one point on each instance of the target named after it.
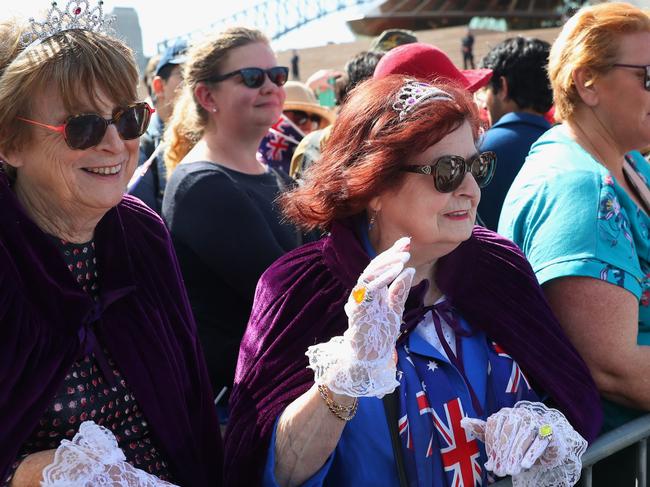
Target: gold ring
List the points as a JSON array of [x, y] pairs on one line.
[[359, 294]]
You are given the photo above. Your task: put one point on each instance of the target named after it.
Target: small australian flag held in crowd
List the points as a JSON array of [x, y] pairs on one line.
[[278, 145]]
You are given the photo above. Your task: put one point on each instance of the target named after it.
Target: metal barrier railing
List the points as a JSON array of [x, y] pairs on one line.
[[634, 432]]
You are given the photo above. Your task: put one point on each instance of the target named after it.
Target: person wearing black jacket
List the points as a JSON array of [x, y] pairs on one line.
[[150, 178]]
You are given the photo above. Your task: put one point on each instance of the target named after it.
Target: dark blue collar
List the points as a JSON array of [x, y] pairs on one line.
[[523, 117]]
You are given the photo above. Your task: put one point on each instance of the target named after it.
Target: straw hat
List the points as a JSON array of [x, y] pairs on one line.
[[300, 97]]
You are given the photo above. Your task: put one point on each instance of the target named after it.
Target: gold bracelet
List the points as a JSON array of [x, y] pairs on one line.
[[344, 413]]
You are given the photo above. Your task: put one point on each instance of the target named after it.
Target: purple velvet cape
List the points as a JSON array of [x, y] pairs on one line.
[[143, 317], [299, 302]]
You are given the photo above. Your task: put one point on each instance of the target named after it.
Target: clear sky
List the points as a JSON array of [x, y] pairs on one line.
[[164, 19]]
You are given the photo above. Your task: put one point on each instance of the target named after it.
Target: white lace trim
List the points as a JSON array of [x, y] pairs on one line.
[[333, 366], [94, 458]]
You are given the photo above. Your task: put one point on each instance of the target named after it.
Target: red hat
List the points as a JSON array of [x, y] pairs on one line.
[[425, 61]]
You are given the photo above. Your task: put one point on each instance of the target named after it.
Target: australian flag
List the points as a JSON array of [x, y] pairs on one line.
[[278, 145]]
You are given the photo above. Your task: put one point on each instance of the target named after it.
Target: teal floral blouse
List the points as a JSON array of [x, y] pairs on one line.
[[571, 218]]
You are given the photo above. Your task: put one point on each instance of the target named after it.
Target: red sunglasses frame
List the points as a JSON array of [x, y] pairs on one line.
[[116, 114]]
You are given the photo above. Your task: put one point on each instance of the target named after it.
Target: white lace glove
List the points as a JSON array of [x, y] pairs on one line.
[[93, 458], [361, 362], [533, 443]]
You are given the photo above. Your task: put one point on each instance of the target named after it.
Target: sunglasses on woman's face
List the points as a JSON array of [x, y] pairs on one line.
[[449, 171], [254, 77], [88, 129], [301, 118]]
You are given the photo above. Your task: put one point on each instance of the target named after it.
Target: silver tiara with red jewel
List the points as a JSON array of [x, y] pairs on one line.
[[77, 14], [412, 93]]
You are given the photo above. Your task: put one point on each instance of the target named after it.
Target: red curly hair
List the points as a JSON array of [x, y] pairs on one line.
[[367, 147]]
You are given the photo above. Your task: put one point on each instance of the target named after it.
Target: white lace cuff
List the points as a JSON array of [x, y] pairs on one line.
[[334, 365], [94, 458]]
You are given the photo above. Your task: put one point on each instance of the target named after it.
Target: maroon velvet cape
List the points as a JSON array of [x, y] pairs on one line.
[[143, 317], [299, 302]]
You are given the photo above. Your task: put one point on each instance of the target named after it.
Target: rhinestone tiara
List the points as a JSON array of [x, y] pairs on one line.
[[413, 93], [77, 14]]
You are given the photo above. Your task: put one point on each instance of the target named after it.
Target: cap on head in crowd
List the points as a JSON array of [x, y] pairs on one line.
[[174, 54], [391, 38], [308, 151], [427, 62]]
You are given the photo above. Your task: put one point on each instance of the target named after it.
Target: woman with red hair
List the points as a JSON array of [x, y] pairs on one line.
[[408, 347]]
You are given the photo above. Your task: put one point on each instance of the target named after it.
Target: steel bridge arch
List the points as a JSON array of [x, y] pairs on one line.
[[273, 17]]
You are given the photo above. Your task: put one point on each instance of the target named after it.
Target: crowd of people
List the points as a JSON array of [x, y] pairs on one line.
[[442, 280]]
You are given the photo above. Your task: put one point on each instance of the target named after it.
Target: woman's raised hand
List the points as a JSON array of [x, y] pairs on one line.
[[376, 303], [361, 362]]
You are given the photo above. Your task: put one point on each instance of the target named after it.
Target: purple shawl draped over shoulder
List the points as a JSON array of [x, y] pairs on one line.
[[142, 316], [299, 302]]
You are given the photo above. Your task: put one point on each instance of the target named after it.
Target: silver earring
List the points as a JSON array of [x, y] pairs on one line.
[[373, 220]]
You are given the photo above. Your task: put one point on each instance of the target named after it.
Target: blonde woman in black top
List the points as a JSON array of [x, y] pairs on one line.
[[219, 202]]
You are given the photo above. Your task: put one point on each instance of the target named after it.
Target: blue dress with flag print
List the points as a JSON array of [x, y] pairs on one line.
[[435, 393]]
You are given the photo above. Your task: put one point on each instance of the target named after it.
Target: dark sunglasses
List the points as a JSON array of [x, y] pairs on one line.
[[300, 117], [254, 77], [88, 129], [448, 171], [646, 77]]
